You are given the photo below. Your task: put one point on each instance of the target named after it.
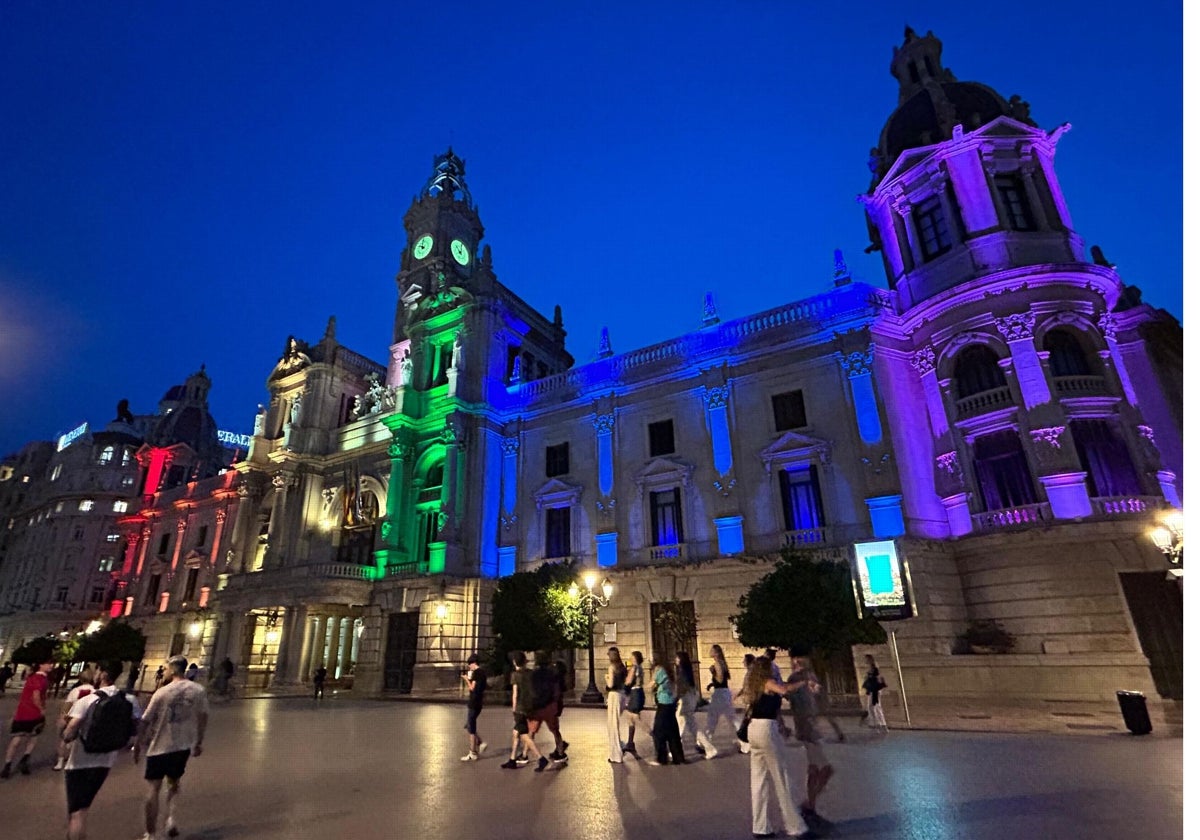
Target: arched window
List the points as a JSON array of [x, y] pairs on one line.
[[1066, 355], [976, 370], [1003, 472], [107, 454]]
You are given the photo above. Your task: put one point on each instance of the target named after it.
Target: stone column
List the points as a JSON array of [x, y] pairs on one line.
[[283, 481], [344, 658], [510, 448], [286, 653], [317, 654], [392, 529], [304, 629], [1017, 330], [331, 658]]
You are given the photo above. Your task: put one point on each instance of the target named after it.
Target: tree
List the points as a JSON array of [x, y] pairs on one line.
[[804, 602], [36, 651], [534, 611], [115, 640]]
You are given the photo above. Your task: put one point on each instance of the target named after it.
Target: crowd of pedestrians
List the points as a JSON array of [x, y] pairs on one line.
[[98, 720], [760, 731]]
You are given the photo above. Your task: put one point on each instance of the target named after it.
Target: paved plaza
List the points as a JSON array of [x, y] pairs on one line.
[[286, 768]]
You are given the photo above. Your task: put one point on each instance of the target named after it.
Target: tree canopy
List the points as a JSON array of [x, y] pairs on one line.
[[36, 651], [534, 611], [115, 640], [804, 602]]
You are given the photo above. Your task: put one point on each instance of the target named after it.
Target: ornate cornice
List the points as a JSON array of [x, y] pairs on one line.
[[1048, 436], [924, 360], [858, 363], [1016, 327], [717, 397], [604, 423]]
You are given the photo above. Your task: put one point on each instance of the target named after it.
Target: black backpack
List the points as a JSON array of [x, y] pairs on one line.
[[545, 686], [109, 724]]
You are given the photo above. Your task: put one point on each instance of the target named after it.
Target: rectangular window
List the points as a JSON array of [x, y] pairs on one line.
[[666, 517], [789, 411], [164, 543], [56, 472], [1014, 201], [97, 595], [932, 227], [86, 504], [152, 590], [120, 507], [558, 460], [189, 587], [510, 368], [106, 563], [112, 537], [1003, 472], [801, 493], [444, 355], [78, 535], [58, 508], [1105, 457], [60, 595], [201, 536], [127, 481], [662, 438], [558, 532]]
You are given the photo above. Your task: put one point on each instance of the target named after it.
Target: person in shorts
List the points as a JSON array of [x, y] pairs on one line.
[[546, 680], [522, 706], [86, 771], [172, 731], [804, 692], [28, 720], [476, 680]]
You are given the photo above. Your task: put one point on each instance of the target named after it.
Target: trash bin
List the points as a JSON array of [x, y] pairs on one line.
[[1133, 709]]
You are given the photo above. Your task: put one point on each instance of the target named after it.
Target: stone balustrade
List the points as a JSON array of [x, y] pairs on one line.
[[1080, 386], [1021, 516], [984, 401]]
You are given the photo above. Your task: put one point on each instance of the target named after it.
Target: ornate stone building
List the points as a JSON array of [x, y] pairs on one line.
[[1006, 409]]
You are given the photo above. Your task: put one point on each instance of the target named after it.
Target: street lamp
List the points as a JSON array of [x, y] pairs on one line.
[[1168, 537], [590, 601]]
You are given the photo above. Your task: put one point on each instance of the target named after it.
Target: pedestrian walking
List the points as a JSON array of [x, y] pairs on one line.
[[547, 683], [172, 732], [101, 725], [776, 674], [522, 706], [768, 771], [319, 682], [665, 731], [720, 701], [82, 688], [223, 677], [476, 680], [158, 676], [872, 685], [635, 683], [29, 719], [6, 674], [560, 669], [685, 711], [803, 698], [614, 693], [193, 671]]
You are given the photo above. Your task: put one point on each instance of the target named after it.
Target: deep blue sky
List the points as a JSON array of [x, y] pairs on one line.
[[182, 183]]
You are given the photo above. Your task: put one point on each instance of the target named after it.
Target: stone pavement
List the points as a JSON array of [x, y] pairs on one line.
[[295, 769]]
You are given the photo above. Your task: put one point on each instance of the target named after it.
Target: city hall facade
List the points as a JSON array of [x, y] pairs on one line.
[[1006, 410]]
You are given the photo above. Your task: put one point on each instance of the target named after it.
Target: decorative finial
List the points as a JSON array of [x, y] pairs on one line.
[[331, 328], [841, 274], [558, 316], [710, 310], [487, 255], [1099, 259], [605, 344]]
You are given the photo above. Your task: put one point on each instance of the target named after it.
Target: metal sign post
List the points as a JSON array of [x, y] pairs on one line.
[[900, 676]]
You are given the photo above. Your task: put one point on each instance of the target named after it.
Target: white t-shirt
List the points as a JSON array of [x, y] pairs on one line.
[[173, 717], [81, 759], [81, 690]]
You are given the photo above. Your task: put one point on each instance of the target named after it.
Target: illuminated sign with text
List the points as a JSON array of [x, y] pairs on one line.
[[234, 439], [72, 436]]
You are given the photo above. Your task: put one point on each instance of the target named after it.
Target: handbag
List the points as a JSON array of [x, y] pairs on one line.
[[743, 732]]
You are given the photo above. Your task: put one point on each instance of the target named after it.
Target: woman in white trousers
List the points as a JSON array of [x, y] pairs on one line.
[[720, 702], [768, 770], [685, 712], [614, 687]]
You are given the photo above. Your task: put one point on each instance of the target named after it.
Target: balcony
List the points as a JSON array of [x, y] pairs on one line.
[[1080, 386], [805, 537], [984, 401], [1022, 516], [1109, 506], [666, 553]]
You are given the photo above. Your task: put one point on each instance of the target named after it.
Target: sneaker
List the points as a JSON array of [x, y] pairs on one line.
[[615, 761], [700, 749], [558, 756], [470, 757], [710, 755], [23, 765], [509, 765], [522, 761], [172, 829], [654, 762], [565, 745], [60, 764], [541, 765], [482, 747]]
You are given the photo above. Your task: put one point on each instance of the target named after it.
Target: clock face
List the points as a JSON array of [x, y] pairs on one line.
[[460, 253], [423, 247]]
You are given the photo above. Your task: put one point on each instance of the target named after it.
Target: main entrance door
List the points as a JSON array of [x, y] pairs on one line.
[[1156, 604], [400, 655]]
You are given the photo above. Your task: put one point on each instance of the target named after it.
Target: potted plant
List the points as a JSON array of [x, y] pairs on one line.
[[987, 636]]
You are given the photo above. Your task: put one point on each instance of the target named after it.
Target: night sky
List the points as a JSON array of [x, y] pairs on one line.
[[191, 183]]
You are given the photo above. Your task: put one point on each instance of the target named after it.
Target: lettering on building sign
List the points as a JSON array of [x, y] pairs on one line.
[[72, 436], [234, 439]]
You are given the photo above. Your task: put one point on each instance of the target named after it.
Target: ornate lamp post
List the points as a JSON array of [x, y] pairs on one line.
[[1169, 538], [591, 601]]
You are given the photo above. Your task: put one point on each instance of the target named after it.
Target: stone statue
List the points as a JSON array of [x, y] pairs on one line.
[[260, 421], [456, 352], [406, 371], [124, 415], [875, 161], [1098, 257], [295, 412], [516, 371], [1019, 108]]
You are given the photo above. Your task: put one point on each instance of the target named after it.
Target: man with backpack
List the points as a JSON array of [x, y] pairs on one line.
[[99, 726], [172, 731]]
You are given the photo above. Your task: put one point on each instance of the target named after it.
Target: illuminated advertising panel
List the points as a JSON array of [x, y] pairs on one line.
[[234, 439], [72, 436], [882, 581]]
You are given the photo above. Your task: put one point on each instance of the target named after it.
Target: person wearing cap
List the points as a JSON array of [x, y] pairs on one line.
[[476, 680], [172, 732]]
